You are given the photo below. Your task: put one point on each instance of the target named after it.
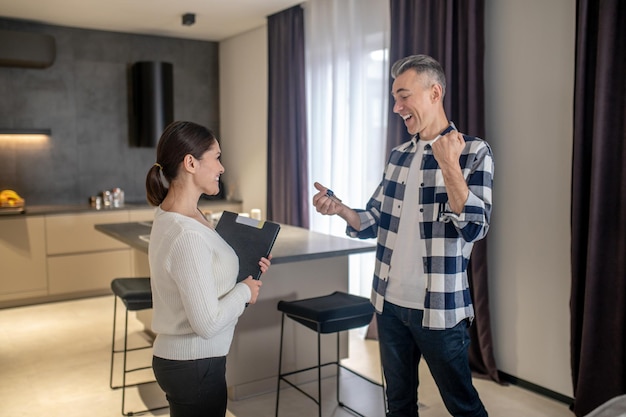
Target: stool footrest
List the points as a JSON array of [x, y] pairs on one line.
[[132, 349], [315, 400], [134, 384], [310, 368], [352, 371]]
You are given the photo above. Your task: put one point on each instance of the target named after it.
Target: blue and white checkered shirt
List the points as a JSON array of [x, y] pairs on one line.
[[449, 237]]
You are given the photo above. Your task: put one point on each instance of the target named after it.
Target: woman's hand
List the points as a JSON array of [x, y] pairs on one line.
[[255, 284], [265, 263], [255, 287]]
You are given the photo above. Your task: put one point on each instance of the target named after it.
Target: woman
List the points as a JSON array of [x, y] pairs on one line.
[[196, 298]]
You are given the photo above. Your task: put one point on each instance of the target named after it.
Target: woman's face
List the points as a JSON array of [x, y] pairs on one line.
[[210, 169]]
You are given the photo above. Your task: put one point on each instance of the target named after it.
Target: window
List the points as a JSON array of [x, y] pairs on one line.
[[347, 92]]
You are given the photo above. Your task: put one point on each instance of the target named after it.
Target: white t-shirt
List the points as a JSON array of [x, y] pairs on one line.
[[407, 281]]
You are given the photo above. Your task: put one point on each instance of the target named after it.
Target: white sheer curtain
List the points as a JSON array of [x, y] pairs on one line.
[[347, 90]]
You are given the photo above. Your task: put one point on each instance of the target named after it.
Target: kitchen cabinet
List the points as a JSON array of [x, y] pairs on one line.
[[54, 253], [81, 260], [75, 233], [87, 273], [22, 257], [138, 260], [143, 215]]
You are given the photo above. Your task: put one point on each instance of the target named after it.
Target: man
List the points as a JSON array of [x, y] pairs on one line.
[[433, 203]]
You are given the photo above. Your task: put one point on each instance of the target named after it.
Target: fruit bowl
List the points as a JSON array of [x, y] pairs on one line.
[[11, 202]]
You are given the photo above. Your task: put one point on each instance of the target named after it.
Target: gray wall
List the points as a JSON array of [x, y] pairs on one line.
[[83, 97], [529, 97]]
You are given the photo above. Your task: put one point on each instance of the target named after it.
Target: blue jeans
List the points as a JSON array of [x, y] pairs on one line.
[[194, 388], [403, 341]]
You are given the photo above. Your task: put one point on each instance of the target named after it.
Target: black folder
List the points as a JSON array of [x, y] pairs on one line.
[[250, 238]]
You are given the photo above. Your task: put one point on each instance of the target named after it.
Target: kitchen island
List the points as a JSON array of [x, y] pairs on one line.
[[304, 264]]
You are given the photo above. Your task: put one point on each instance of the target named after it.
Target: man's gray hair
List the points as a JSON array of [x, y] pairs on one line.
[[421, 64]]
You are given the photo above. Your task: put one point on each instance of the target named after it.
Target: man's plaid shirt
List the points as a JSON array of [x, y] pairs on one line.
[[449, 237]]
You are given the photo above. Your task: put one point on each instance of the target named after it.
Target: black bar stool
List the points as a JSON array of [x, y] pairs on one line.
[[332, 313], [136, 295]]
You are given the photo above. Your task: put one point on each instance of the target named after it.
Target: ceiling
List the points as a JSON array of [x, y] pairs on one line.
[[216, 20]]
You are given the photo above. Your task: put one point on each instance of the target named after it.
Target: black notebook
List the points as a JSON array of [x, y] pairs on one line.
[[250, 238]]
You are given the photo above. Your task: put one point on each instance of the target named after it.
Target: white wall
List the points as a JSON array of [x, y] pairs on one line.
[[243, 117], [529, 91], [529, 105]]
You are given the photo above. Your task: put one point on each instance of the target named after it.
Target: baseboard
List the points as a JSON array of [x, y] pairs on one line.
[[45, 299], [513, 380]]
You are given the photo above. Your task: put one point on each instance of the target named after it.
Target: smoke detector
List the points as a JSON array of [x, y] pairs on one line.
[[189, 19]]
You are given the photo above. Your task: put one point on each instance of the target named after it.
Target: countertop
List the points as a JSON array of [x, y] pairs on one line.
[[41, 210], [293, 244]]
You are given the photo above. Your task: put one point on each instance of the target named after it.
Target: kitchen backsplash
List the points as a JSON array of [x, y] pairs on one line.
[[83, 98]]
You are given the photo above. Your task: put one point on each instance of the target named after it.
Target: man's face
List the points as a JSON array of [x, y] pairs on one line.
[[415, 99]]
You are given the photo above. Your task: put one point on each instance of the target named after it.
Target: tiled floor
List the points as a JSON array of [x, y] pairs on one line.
[[55, 358]]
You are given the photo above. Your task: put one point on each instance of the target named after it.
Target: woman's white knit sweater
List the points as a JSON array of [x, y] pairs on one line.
[[195, 296]]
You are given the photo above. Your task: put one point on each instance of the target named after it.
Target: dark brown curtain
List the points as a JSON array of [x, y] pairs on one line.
[[453, 33], [287, 176], [598, 297]]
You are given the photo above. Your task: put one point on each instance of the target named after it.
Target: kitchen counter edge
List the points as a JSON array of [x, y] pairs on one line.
[[42, 210]]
